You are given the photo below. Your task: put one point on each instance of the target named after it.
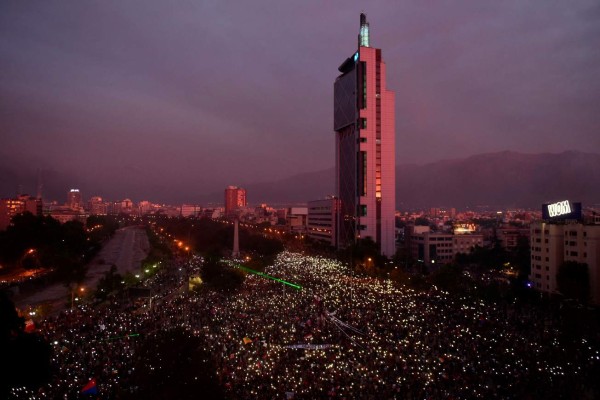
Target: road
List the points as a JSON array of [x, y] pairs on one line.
[[126, 250]]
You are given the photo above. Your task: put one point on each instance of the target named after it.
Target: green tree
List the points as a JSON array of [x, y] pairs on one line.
[[25, 356], [449, 277], [521, 257], [111, 281], [220, 276], [573, 280]]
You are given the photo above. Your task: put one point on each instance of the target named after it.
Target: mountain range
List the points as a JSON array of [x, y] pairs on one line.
[[502, 179]]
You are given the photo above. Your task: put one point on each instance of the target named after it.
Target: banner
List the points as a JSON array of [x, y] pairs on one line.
[[309, 346]]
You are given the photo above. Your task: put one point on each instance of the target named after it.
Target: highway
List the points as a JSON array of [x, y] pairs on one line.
[[126, 250]]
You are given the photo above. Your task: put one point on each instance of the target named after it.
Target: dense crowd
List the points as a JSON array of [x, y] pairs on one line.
[[339, 336]]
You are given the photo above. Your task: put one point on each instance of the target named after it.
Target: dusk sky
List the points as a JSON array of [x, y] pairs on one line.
[[154, 96]]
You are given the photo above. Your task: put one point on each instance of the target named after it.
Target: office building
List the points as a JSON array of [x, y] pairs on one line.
[[23, 203], [553, 243], [365, 148], [8, 209], [321, 221], [465, 243], [438, 247], [74, 200], [509, 236], [235, 198], [96, 206], [431, 247], [190, 210], [295, 219]]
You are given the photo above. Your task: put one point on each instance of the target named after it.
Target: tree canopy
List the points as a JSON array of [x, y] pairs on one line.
[[25, 356], [573, 280]]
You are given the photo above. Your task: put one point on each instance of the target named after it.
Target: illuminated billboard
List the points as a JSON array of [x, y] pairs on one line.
[[562, 210]]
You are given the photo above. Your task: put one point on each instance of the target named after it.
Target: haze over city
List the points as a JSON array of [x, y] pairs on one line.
[[169, 101], [299, 200]]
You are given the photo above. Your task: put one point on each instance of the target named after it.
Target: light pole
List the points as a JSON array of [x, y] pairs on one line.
[[81, 289]]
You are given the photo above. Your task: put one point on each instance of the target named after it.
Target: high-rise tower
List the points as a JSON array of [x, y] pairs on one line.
[[235, 198], [365, 147], [74, 200]]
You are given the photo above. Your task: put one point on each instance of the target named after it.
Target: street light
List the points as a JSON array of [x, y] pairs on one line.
[[81, 289]]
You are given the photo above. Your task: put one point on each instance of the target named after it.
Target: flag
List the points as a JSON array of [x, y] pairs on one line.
[[29, 326], [90, 388]]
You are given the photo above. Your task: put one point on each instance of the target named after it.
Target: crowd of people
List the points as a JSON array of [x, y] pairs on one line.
[[337, 336]]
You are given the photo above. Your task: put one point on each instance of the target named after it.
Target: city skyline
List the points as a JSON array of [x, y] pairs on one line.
[[148, 101], [499, 180]]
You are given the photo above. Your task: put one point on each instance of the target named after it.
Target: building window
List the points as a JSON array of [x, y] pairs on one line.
[[362, 210], [364, 173], [364, 84]]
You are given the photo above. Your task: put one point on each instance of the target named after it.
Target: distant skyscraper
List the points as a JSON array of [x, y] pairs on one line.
[[23, 203], [8, 209], [235, 198], [96, 206], [74, 200], [365, 147]]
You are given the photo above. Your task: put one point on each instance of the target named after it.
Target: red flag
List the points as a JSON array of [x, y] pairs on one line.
[[90, 388], [29, 326]]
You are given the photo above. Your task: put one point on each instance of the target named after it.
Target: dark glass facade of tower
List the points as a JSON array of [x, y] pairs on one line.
[[365, 148]]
